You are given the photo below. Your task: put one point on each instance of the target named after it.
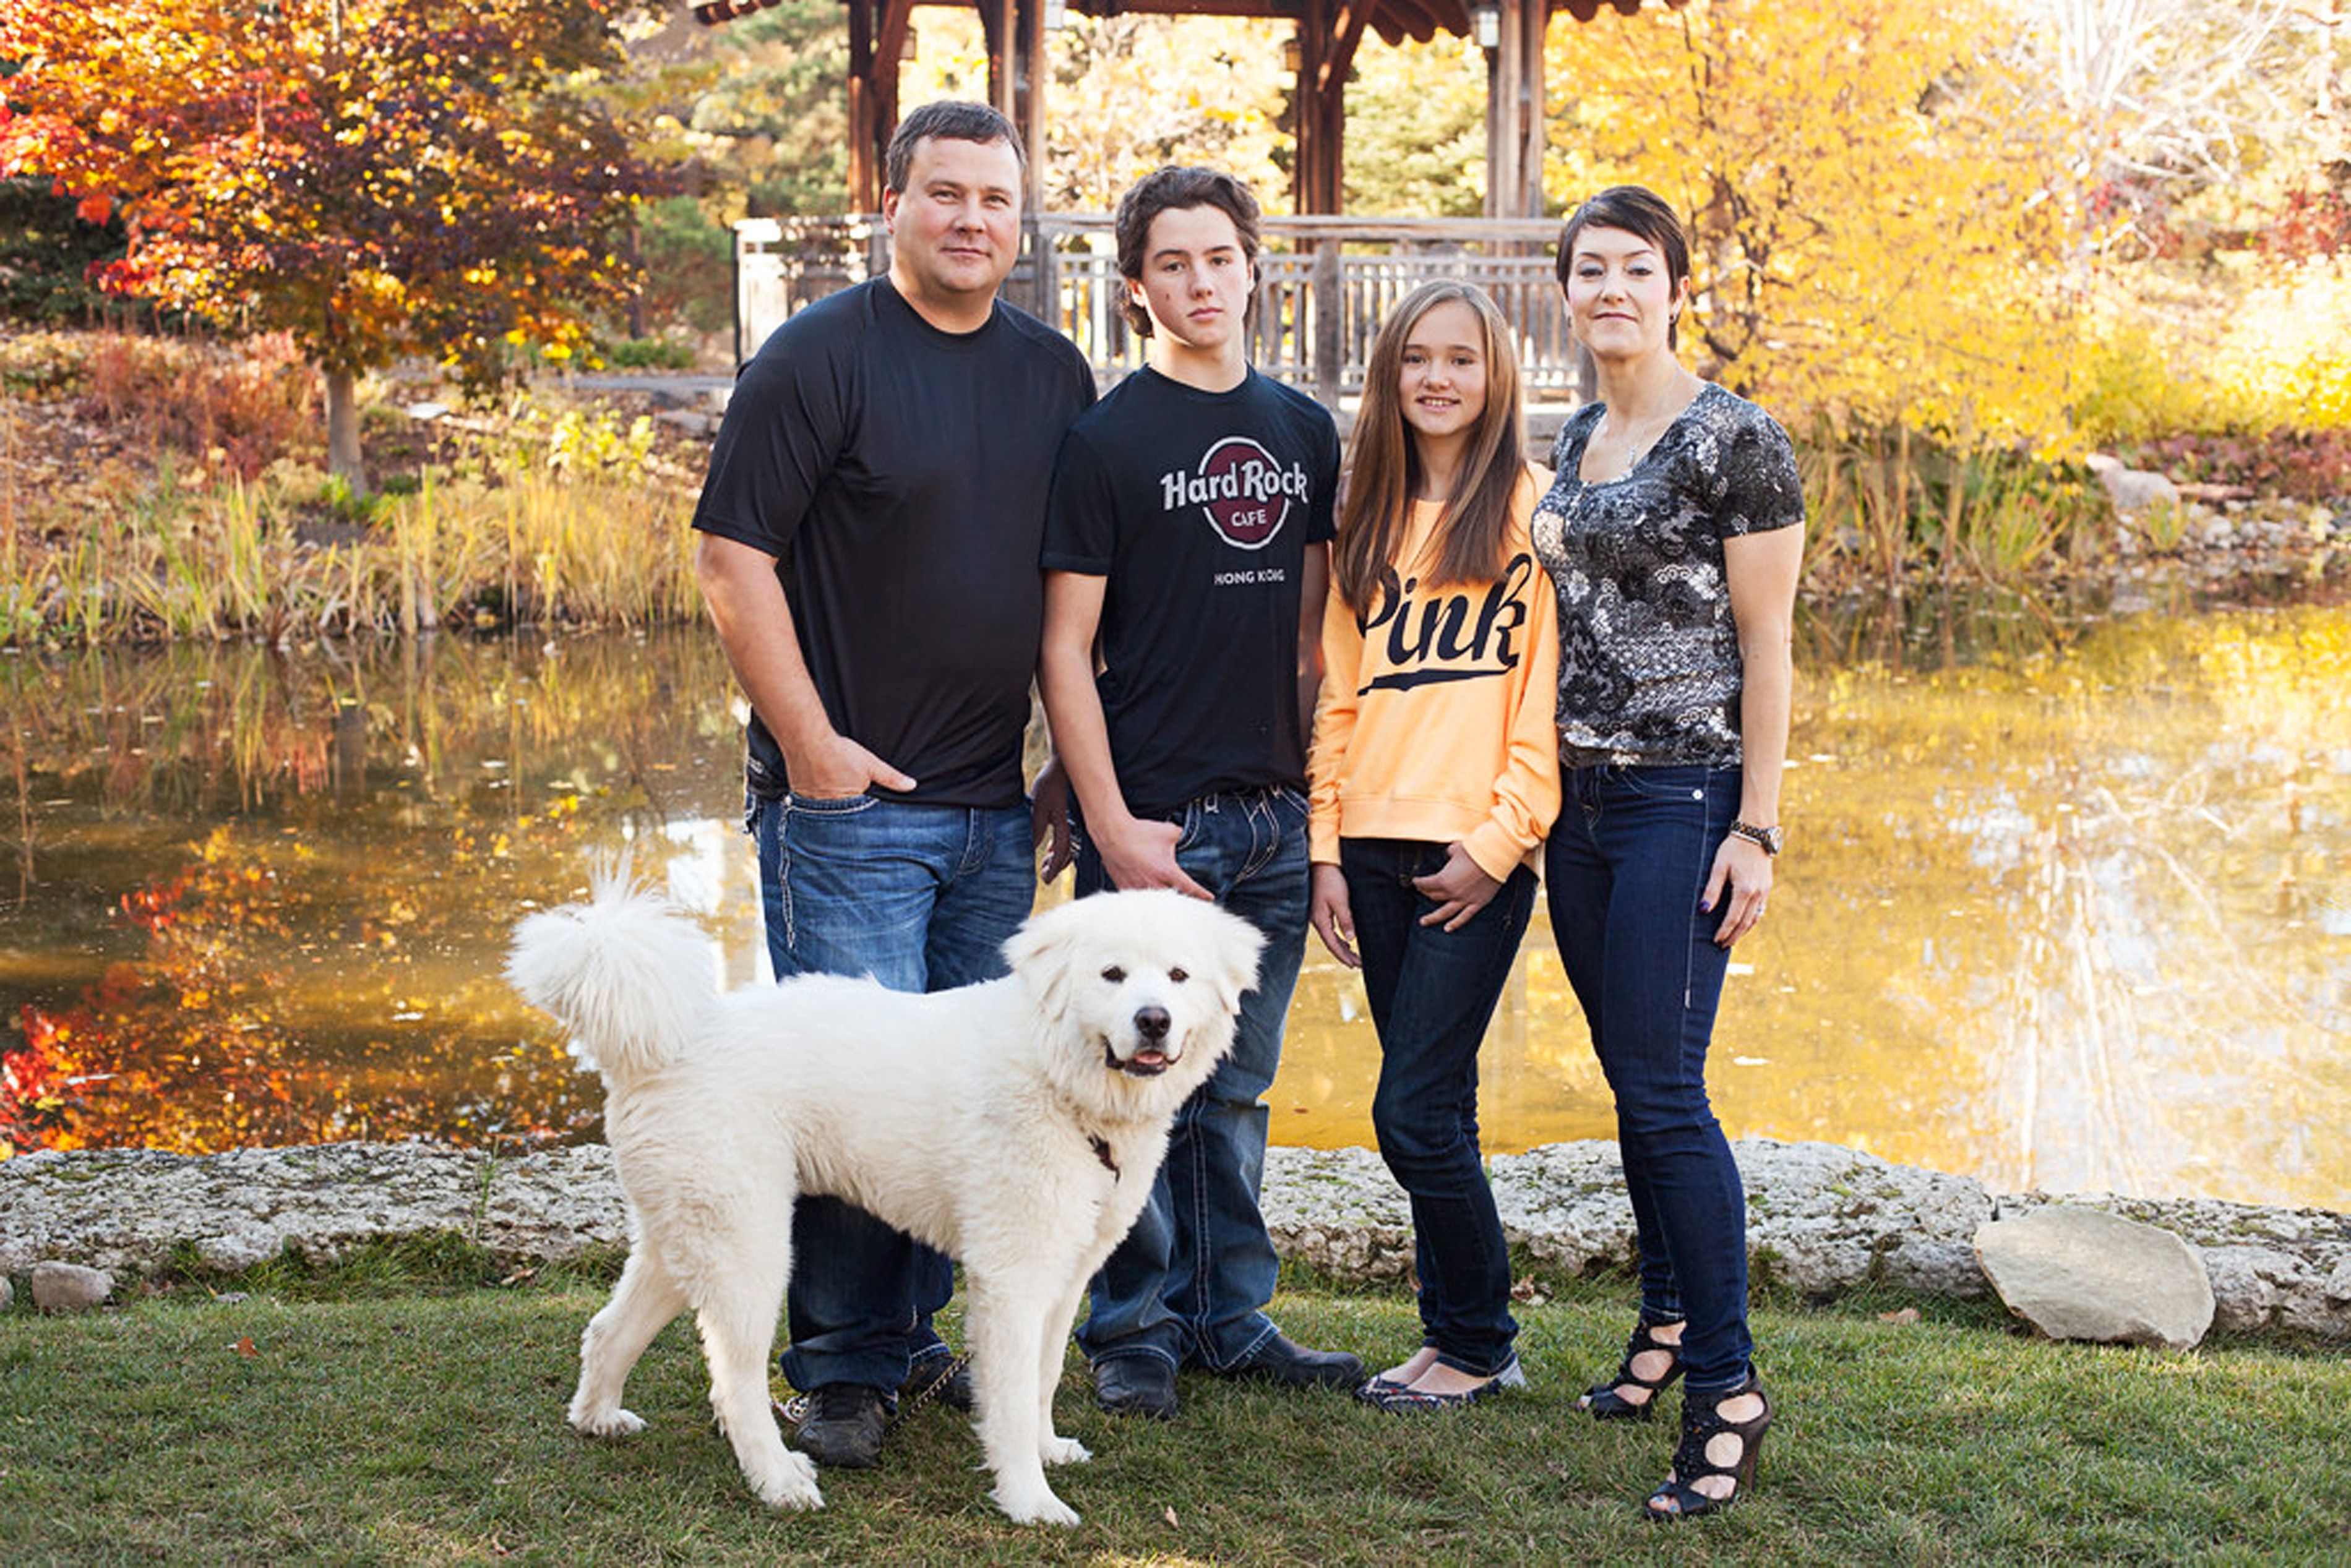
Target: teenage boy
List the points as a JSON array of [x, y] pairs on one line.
[[869, 541], [1186, 557]]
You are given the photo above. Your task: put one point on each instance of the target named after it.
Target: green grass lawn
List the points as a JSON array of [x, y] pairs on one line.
[[388, 1416]]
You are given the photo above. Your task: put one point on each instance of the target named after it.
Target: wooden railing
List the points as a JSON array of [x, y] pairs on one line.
[[1324, 286]]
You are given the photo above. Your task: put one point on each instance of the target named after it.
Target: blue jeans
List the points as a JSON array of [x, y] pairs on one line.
[[1432, 993], [922, 898], [1625, 868], [1191, 1280]]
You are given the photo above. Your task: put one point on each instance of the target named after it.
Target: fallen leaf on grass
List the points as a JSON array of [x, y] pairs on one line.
[[243, 1347], [1170, 1516], [1906, 1315], [1531, 1292]]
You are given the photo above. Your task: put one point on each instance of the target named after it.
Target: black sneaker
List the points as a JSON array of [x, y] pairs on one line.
[[1135, 1385], [1280, 1362], [938, 1380], [843, 1428]]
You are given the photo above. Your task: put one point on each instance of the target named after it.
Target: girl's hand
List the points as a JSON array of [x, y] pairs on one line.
[[1333, 916], [1742, 863], [1461, 889]]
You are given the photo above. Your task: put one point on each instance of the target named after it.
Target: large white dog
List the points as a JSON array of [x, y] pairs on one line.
[[1015, 1125]]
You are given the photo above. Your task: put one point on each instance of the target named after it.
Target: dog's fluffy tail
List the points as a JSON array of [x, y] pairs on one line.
[[628, 973]]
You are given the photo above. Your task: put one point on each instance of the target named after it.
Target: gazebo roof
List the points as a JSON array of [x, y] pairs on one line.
[[1329, 31], [1393, 20]]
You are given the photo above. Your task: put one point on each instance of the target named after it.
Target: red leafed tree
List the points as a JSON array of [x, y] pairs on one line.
[[380, 178]]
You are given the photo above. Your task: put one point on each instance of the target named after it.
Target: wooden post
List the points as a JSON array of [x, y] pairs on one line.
[[865, 143], [1329, 31], [1001, 28], [1034, 75], [1534, 23], [1329, 307], [889, 49], [1514, 112]]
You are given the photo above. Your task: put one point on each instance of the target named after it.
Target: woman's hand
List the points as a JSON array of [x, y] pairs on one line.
[[1741, 865], [1461, 889], [1334, 915]]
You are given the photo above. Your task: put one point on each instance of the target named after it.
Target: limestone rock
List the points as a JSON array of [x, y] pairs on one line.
[[1821, 1218], [1337, 1211], [2084, 1274], [1825, 1219], [2269, 1267], [2135, 492], [69, 1287]]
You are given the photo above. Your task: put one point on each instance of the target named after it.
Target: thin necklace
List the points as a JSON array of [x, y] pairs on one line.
[[1636, 440]]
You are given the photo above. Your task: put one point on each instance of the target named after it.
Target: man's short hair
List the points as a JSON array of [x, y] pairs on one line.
[[951, 119], [1177, 185]]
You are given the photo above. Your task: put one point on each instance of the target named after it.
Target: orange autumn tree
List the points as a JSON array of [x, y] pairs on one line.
[[1879, 190], [378, 178]]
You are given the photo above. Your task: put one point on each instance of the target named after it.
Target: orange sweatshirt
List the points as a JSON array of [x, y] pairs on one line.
[[1436, 719]]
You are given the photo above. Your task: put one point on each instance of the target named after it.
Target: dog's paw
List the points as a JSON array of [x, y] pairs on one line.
[[613, 1423], [1059, 1450], [790, 1483], [1039, 1507]]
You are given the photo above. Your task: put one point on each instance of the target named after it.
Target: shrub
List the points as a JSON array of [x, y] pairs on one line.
[[47, 253], [240, 408], [2303, 464]]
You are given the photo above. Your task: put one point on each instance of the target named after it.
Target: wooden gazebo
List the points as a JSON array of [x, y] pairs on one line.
[[1329, 31]]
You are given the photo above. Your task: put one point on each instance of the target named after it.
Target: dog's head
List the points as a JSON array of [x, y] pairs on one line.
[[1135, 989]]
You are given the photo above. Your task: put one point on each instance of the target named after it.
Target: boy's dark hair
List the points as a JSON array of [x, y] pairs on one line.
[[1177, 185], [951, 119], [1637, 210]]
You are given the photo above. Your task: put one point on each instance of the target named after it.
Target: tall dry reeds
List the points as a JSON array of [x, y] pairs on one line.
[[1888, 508], [265, 560]]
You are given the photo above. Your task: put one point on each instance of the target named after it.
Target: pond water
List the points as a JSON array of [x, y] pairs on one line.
[[2067, 903]]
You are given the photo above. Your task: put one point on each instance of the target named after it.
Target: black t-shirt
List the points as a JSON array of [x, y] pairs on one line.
[[1197, 507], [898, 475]]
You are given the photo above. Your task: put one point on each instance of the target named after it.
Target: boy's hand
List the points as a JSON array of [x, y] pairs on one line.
[[1049, 818], [1137, 854]]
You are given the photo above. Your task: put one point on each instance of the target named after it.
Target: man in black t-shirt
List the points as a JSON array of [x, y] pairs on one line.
[[1186, 553], [869, 540]]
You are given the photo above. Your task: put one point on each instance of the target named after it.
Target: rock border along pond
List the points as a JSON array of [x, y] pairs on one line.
[[1823, 1219]]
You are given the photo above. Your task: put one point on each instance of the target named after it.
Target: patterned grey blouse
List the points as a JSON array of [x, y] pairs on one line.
[[1648, 657]]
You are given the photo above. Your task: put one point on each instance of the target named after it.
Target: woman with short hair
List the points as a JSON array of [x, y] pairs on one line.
[[1673, 533]]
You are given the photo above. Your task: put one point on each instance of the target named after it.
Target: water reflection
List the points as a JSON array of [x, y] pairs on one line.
[[2066, 905]]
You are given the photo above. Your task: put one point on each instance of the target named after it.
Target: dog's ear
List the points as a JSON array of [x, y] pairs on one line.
[[1039, 953], [1237, 944]]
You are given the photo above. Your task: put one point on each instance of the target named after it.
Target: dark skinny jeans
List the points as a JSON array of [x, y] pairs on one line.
[[1432, 993], [1624, 870]]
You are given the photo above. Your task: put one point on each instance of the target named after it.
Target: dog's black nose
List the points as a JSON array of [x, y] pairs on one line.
[[1151, 1023]]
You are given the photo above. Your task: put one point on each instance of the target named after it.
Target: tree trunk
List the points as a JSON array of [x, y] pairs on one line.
[[343, 458]]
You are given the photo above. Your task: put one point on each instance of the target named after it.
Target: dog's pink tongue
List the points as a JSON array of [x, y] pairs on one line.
[[1151, 1058]]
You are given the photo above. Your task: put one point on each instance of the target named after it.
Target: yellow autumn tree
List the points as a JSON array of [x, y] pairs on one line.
[[1880, 206]]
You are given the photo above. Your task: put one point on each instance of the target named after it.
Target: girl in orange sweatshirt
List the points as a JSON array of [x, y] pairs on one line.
[[1434, 776]]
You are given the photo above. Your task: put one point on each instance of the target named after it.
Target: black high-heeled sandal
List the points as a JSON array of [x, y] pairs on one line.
[[1602, 1398], [1702, 1426]]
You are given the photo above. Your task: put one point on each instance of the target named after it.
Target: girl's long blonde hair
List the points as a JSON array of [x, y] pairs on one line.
[[1383, 466]]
